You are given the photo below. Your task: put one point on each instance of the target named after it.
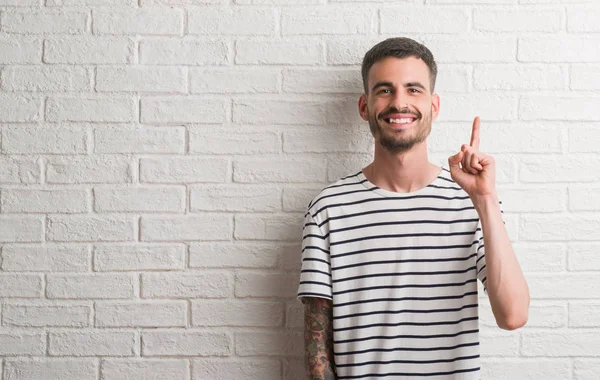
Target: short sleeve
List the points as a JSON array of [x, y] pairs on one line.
[[481, 267], [315, 275]]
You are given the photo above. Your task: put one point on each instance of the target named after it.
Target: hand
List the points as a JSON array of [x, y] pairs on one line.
[[472, 170]]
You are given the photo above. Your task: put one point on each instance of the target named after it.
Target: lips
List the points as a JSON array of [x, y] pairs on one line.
[[399, 119]]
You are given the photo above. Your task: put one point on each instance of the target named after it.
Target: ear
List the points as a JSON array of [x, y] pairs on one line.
[[362, 107], [435, 106]]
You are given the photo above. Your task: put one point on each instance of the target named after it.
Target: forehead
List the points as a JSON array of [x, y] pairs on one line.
[[398, 71]]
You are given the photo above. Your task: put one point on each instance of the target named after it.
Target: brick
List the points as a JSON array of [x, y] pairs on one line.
[[20, 3], [46, 258], [238, 81], [347, 164], [185, 51], [583, 19], [584, 198], [141, 79], [560, 285], [69, 3], [235, 198], [22, 343], [584, 314], [278, 2], [560, 343], [186, 285], [44, 140], [269, 52], [100, 286], [585, 369], [534, 199], [552, 369], [13, 170], [519, 77], [47, 315], [269, 343], [268, 227], [500, 137], [291, 257], [472, 1], [545, 257], [87, 50], [583, 257], [294, 369], [144, 369], [139, 257], [51, 369], [177, 228], [139, 140], [231, 255], [565, 228], [232, 21], [330, 140], [472, 49], [535, 20], [226, 369], [415, 20], [20, 49], [178, 2], [96, 109], [146, 199], [186, 343], [559, 169], [294, 315], [20, 229], [464, 107], [585, 77], [98, 169], [184, 110], [453, 78], [184, 169], [236, 313], [20, 286], [91, 228], [559, 49], [45, 21], [145, 21], [213, 140], [279, 170], [504, 343], [311, 21], [297, 198], [281, 285], [19, 108], [141, 314], [348, 52], [582, 139], [322, 81], [552, 108], [92, 343], [44, 201], [45, 79]]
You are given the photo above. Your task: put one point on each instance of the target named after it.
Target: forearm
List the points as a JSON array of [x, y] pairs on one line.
[[318, 339], [506, 286]]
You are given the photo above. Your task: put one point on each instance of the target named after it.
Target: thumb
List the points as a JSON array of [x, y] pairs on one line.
[[454, 161]]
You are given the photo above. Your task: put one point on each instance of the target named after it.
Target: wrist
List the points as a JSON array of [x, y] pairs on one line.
[[486, 203]]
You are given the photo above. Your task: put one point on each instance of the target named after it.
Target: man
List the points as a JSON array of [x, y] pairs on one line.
[[391, 255]]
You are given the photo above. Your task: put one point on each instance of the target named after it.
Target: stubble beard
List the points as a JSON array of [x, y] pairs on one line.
[[393, 141]]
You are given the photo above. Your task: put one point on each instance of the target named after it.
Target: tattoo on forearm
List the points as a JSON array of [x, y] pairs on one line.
[[318, 338]]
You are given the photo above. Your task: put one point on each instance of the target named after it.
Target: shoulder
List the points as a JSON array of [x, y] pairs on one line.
[[328, 194]]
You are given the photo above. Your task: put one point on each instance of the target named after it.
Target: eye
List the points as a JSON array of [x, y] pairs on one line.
[[414, 90], [384, 91]]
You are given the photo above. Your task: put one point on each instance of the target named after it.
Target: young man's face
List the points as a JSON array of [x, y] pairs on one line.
[[399, 105]]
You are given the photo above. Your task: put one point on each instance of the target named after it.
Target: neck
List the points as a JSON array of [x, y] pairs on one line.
[[401, 172]]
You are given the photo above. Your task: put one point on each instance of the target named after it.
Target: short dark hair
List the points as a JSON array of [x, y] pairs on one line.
[[398, 47]]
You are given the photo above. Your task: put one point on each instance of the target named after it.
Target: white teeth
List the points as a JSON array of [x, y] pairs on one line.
[[401, 121]]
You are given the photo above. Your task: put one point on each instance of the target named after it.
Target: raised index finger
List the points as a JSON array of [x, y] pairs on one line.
[[475, 134]]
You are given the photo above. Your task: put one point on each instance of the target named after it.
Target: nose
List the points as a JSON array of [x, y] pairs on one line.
[[399, 101]]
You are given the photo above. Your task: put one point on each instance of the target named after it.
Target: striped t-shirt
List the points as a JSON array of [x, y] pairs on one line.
[[401, 270]]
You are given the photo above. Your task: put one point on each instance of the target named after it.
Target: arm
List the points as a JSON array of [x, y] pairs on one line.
[[506, 286], [318, 338]]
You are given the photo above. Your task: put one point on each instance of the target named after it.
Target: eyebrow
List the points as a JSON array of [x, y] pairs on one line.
[[406, 85]]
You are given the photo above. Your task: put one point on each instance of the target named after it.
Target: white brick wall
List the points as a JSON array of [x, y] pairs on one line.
[[157, 156]]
